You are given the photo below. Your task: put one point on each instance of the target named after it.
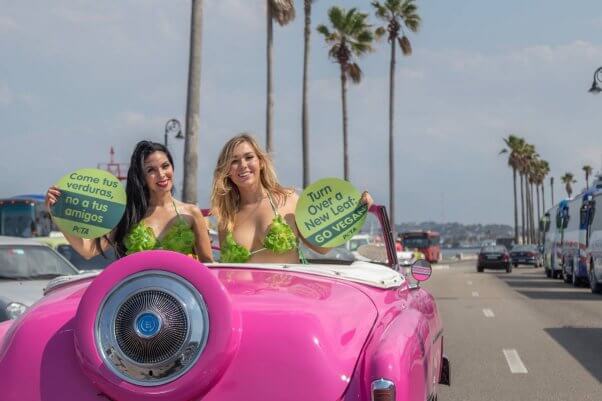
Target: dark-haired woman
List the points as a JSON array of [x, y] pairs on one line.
[[153, 219]]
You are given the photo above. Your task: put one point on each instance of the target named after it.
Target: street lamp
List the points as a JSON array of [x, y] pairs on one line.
[[173, 127], [595, 89]]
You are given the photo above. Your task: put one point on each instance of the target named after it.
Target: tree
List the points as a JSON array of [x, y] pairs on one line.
[[283, 11], [193, 105], [513, 146], [588, 171], [397, 14], [350, 38], [304, 107], [568, 179]]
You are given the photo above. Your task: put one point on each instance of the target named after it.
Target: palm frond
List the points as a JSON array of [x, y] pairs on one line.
[[336, 15], [354, 72], [380, 32], [283, 11], [406, 46]]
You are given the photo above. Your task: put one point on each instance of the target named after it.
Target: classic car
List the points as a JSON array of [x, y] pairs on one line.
[[26, 267], [159, 325]]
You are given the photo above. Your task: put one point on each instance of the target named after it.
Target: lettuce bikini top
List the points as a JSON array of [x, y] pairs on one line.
[[179, 237], [280, 238]]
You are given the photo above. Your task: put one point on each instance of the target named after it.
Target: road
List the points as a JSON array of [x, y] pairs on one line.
[[518, 336]]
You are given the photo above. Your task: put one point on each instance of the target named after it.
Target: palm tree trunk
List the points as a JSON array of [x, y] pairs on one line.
[[193, 101], [528, 208], [543, 198], [391, 139], [552, 189], [515, 207], [538, 215], [522, 208], [270, 92], [532, 205], [344, 105], [304, 110]]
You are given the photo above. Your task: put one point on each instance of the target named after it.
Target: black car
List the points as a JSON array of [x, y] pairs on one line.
[[494, 257], [526, 255]]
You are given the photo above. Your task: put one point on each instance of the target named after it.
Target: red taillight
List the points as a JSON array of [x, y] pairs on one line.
[[506, 257], [531, 254]]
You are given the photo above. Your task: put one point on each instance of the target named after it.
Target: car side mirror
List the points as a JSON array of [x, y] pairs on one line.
[[421, 270]]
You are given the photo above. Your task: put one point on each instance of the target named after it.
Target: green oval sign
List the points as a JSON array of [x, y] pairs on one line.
[[329, 212], [91, 203]]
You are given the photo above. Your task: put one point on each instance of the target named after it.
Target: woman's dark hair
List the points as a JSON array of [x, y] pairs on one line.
[[136, 192]]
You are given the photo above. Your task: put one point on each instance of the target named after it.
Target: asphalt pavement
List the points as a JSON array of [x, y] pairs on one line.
[[518, 336]]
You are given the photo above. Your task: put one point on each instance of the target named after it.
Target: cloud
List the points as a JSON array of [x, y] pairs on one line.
[[7, 24]]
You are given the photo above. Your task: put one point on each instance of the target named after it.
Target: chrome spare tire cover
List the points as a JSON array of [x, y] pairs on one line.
[[151, 328]]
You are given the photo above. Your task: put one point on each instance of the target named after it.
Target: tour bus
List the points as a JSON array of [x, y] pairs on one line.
[[570, 241], [594, 242], [551, 232], [25, 216], [426, 242]]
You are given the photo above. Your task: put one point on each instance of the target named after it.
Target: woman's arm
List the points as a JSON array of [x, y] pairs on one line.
[[202, 242], [87, 248]]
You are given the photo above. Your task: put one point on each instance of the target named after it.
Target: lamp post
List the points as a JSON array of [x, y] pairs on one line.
[[595, 89], [173, 127]]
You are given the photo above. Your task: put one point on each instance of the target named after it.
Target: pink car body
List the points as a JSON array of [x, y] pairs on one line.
[[273, 332]]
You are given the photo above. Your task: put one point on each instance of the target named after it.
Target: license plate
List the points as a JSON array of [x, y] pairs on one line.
[[492, 257]]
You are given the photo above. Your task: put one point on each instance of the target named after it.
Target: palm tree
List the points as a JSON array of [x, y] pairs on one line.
[[351, 37], [528, 155], [552, 189], [513, 144], [189, 190], [396, 13], [568, 179], [283, 11], [545, 170], [588, 171], [304, 108]]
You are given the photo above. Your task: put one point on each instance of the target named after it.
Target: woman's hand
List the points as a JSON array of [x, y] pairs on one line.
[[52, 196], [366, 199]]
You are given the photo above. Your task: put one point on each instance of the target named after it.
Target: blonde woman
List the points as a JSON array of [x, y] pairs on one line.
[[256, 215]]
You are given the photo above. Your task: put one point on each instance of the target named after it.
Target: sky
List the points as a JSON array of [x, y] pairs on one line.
[[79, 77]]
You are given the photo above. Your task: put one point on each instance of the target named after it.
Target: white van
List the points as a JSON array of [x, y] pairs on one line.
[[594, 245]]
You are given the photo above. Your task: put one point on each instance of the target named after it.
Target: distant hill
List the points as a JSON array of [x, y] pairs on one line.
[[456, 234]]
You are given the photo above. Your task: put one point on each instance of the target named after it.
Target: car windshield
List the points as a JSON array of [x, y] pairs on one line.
[[96, 263], [524, 248], [355, 243], [410, 243], [493, 249], [32, 262]]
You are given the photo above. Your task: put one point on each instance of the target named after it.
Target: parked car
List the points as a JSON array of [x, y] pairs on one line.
[[159, 325], [526, 255], [26, 267], [60, 244], [494, 257]]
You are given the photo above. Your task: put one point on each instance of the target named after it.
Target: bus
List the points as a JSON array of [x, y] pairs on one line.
[[25, 216], [426, 242]]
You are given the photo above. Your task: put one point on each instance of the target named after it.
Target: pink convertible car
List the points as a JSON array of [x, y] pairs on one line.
[[160, 326]]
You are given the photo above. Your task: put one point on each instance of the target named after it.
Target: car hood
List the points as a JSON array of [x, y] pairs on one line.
[[23, 291], [300, 338]]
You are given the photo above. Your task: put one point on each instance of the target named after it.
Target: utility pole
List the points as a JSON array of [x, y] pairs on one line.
[[193, 100]]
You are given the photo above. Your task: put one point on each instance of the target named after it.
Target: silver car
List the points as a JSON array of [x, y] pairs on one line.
[[26, 266]]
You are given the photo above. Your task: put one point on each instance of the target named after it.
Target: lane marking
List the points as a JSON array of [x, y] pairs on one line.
[[488, 313], [475, 294], [469, 282], [515, 364], [440, 267]]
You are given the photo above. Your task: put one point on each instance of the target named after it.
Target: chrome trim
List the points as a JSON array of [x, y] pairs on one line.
[[382, 384], [175, 365], [62, 281]]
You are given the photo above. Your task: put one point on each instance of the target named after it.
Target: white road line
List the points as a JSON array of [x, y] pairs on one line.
[[488, 313], [475, 294], [440, 267], [469, 282], [514, 362]]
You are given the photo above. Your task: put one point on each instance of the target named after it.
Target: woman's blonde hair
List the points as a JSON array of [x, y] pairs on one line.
[[225, 196]]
